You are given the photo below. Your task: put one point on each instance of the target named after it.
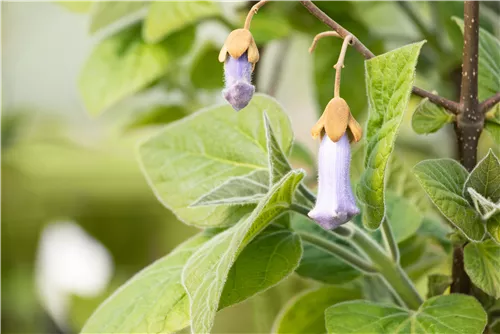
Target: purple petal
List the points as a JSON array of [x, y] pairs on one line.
[[335, 204], [238, 79]]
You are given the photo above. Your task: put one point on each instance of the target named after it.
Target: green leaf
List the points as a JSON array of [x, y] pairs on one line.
[[482, 264], [157, 115], [165, 18], [429, 118], [493, 227], [389, 80], [206, 71], [489, 64], [437, 284], [444, 314], [76, 6], [269, 26], [404, 217], [193, 156], [494, 131], [239, 190], [485, 178], [278, 163], [105, 13], [154, 300], [266, 261], [118, 67], [305, 313], [419, 256], [206, 272], [443, 180], [317, 263]]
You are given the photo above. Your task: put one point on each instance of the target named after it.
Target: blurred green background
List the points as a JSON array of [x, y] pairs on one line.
[[62, 167]]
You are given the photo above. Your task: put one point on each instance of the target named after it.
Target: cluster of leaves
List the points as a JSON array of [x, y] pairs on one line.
[[229, 174]]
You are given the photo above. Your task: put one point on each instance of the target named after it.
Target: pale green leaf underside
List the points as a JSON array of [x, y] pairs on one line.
[[443, 180], [167, 17], [118, 67], [153, 301], [444, 314], [278, 163], [483, 206], [207, 270], [238, 190], [305, 313], [105, 13], [429, 118], [493, 227], [191, 157], [482, 264], [485, 178], [389, 80]]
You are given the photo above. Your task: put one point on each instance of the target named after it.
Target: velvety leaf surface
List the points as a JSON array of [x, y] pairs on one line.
[[278, 163], [389, 80], [154, 300], [118, 67], [305, 313], [444, 314], [207, 270], [482, 264], [105, 13], [166, 17], [443, 180], [429, 118], [190, 158], [238, 190], [485, 178]]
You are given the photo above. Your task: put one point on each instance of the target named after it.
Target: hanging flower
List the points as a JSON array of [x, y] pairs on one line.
[[335, 204], [239, 55]]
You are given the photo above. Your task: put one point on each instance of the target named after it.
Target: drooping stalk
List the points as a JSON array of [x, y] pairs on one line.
[[389, 240]]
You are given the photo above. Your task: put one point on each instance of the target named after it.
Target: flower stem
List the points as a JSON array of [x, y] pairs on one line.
[[340, 64], [307, 193], [252, 12], [340, 252], [390, 271], [389, 240]]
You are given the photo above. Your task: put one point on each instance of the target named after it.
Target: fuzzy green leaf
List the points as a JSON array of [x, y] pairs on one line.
[[278, 163], [389, 80], [105, 13], [485, 178], [493, 227], [118, 67], [167, 17], [239, 190], [494, 131], [443, 180], [437, 284], [482, 264], [429, 118], [444, 314], [207, 270], [191, 157], [404, 217], [305, 313]]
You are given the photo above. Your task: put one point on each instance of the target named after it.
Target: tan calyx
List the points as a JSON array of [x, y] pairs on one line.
[[237, 43], [336, 119]]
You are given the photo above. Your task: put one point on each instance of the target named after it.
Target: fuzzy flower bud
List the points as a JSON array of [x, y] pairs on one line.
[[239, 55], [335, 204], [238, 81]]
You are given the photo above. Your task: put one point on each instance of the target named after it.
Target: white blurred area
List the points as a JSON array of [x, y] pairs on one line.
[[69, 262]]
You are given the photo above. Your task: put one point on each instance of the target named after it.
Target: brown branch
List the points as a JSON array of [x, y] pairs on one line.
[[489, 103], [471, 121], [367, 54]]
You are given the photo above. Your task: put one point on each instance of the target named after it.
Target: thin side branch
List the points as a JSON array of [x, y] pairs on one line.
[[252, 12], [320, 36], [489, 103], [367, 54]]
